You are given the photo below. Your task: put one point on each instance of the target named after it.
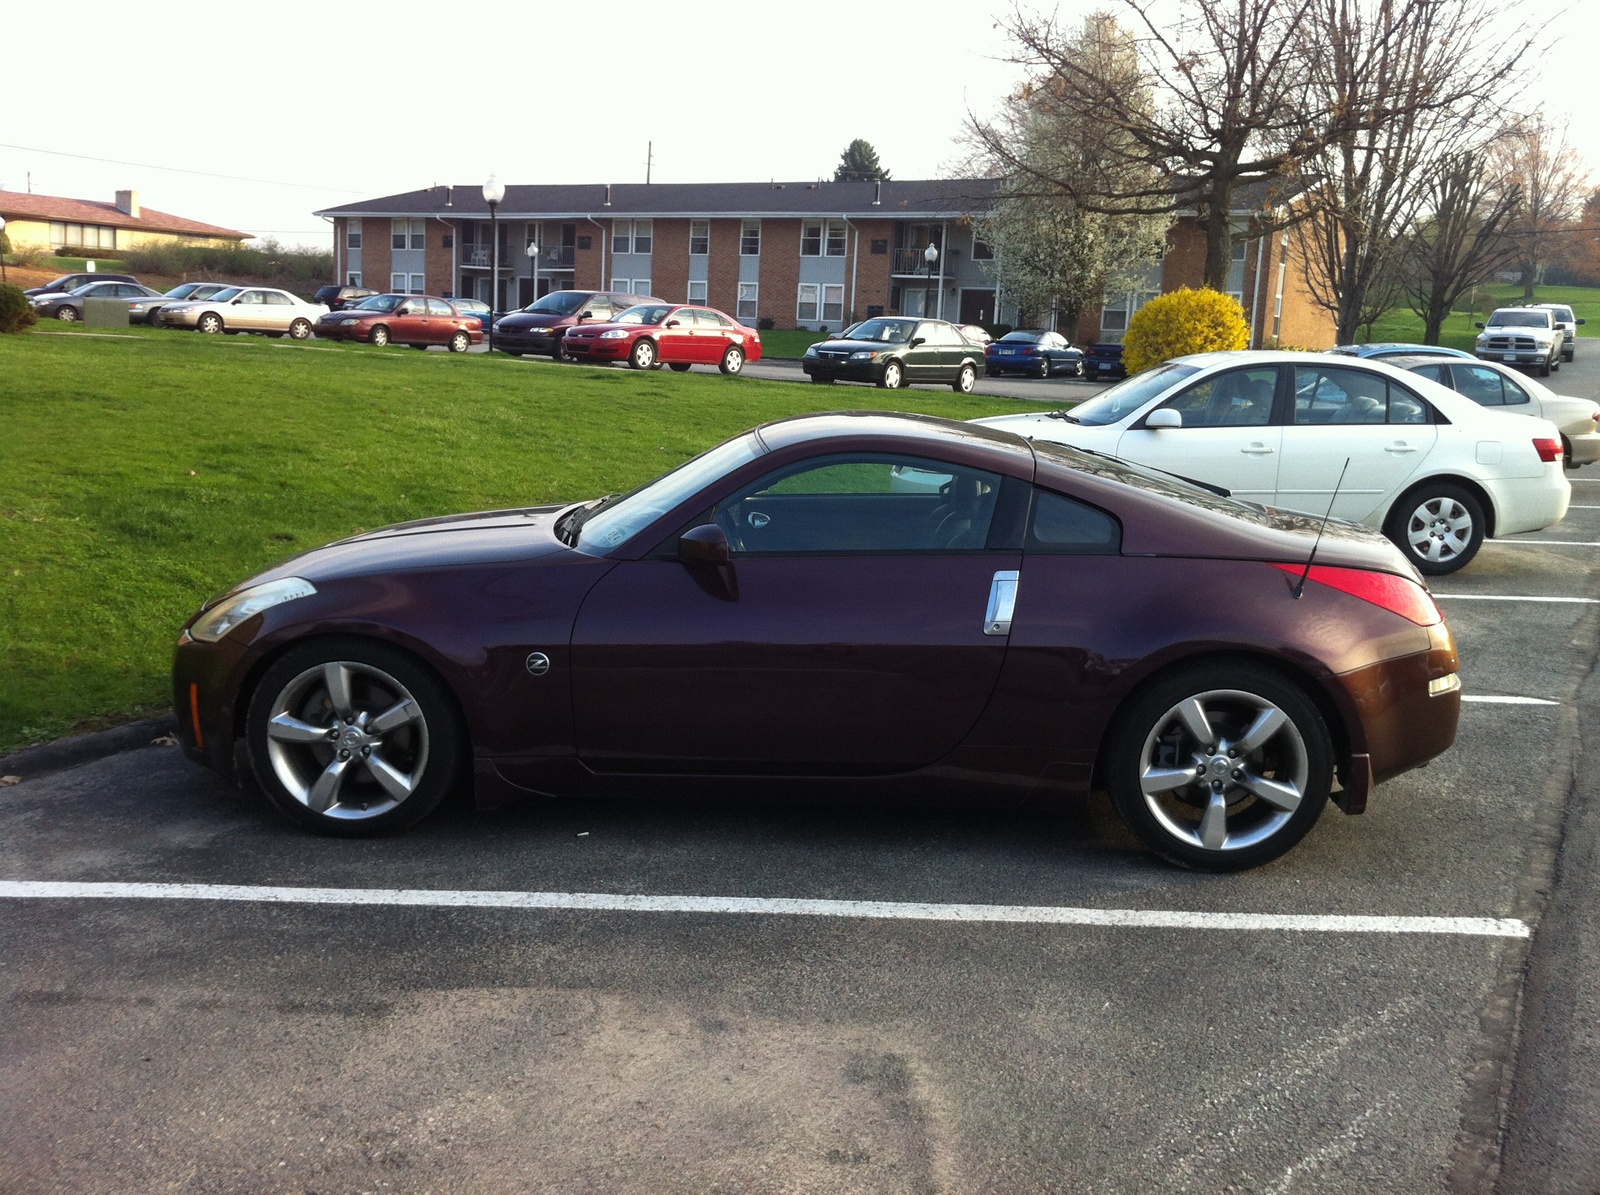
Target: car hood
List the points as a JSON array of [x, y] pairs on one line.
[[349, 313], [856, 346], [48, 296], [453, 541], [528, 319]]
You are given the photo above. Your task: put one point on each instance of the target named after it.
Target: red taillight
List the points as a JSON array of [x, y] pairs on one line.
[[1548, 450], [1395, 594]]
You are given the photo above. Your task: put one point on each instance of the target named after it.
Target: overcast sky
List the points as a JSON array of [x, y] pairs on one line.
[[308, 106]]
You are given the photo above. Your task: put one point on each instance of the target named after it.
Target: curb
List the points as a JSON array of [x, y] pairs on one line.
[[85, 748]]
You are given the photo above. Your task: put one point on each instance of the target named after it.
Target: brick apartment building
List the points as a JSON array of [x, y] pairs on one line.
[[816, 255]]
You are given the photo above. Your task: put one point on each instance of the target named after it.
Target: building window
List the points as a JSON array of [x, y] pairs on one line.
[[642, 235], [699, 238], [982, 250], [408, 234], [631, 286], [622, 236], [353, 278], [811, 243], [419, 284], [836, 238], [352, 234], [880, 248], [833, 304], [84, 236], [697, 292], [397, 283], [749, 292], [806, 308], [1239, 247], [750, 238]]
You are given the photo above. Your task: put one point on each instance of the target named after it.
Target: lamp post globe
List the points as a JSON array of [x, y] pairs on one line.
[[931, 255], [493, 192], [533, 267]]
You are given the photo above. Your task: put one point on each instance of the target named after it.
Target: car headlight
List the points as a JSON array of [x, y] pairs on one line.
[[614, 334], [231, 611], [863, 355]]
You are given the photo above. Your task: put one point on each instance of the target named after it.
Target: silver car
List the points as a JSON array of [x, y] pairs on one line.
[[246, 309]]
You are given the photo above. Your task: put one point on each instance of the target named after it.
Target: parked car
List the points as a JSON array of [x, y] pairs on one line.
[[1490, 384], [649, 335], [1038, 353], [894, 351], [771, 619], [1522, 336], [473, 307], [148, 310], [1104, 360], [976, 333], [71, 282], [1435, 471], [417, 320], [337, 298], [1382, 351], [245, 309], [542, 325], [69, 307], [1568, 323]]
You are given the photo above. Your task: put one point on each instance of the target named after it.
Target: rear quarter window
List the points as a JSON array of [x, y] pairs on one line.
[[1065, 526]]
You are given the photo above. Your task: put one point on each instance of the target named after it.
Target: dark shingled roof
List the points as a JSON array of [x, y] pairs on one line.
[[939, 198]]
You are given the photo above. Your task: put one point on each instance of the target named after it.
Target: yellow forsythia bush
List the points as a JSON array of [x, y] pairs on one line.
[[1184, 321]]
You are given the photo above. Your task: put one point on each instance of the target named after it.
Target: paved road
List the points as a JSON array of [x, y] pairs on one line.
[[208, 1045]]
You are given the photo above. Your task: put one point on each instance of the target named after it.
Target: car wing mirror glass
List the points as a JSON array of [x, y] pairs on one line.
[[1581, 320], [1477, 325], [672, 323], [915, 341], [583, 315], [1165, 417], [707, 544]]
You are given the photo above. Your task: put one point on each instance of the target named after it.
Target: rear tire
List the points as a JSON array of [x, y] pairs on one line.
[[460, 342], [965, 380], [300, 330], [679, 367], [732, 363], [1438, 526]]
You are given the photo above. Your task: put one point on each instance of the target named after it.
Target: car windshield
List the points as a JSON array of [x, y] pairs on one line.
[[232, 292], [88, 288], [1520, 319], [643, 313], [1130, 394], [183, 291], [889, 331], [560, 302], [603, 527], [380, 303]]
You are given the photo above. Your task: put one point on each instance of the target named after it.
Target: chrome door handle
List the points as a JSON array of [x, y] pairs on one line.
[[1258, 450], [1400, 446], [1002, 602]]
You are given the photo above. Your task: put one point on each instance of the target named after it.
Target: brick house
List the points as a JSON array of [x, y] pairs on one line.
[[91, 228], [816, 255]]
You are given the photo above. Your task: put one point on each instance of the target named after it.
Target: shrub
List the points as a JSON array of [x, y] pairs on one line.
[[16, 313], [268, 261], [1184, 321]]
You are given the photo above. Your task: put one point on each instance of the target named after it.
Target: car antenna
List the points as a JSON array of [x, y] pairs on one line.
[[1300, 585]]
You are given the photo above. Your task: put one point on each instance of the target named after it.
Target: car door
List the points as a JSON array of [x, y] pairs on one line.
[[248, 311], [442, 321], [848, 635], [1345, 413], [278, 311], [675, 338], [925, 361], [1228, 437]]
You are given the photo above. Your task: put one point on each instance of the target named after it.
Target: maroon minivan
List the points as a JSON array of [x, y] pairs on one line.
[[540, 326]]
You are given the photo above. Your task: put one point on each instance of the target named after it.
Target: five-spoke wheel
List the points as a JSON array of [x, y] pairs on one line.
[[352, 737], [1221, 768]]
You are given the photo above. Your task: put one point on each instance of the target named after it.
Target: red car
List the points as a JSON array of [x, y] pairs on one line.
[[649, 335], [417, 320], [851, 606]]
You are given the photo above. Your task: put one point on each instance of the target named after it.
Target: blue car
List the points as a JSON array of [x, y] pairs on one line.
[[1037, 353], [1392, 349]]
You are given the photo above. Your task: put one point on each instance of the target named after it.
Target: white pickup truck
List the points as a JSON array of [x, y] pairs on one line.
[[1522, 336]]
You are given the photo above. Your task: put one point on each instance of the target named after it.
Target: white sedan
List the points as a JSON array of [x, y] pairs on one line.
[[246, 309], [1316, 432], [1490, 384]]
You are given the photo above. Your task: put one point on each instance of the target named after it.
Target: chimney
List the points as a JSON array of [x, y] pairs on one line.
[[877, 196], [450, 197], [128, 203], [607, 202]]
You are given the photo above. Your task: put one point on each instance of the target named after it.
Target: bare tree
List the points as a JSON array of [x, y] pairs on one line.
[[1405, 77], [1461, 239], [1552, 179]]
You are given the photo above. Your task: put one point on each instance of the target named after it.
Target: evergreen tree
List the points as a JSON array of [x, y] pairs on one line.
[[859, 163]]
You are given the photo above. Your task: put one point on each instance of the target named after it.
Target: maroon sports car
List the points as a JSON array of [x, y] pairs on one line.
[[650, 335], [867, 605]]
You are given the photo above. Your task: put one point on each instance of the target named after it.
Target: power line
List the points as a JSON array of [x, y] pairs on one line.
[[237, 178]]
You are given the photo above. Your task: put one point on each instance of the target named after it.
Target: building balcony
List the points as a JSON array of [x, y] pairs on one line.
[[909, 263]]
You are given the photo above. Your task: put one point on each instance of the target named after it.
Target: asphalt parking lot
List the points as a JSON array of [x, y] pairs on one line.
[[1010, 1003]]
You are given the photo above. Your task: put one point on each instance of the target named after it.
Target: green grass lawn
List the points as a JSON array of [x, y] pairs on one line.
[[145, 471], [777, 342], [1458, 332]]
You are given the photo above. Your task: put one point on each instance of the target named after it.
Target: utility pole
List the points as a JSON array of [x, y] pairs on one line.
[[649, 159]]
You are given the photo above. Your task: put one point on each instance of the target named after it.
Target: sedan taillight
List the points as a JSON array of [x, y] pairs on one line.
[[1548, 450], [1398, 595]]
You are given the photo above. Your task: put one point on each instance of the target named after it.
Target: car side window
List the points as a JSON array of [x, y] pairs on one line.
[[1334, 395], [1482, 386], [1434, 373], [1065, 526], [863, 504], [1237, 398], [1515, 394], [439, 307], [277, 299]]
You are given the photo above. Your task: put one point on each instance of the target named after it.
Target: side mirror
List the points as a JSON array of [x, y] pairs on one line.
[[672, 323], [1164, 417], [1477, 325], [583, 315], [707, 544], [915, 341], [1581, 320], [236, 302]]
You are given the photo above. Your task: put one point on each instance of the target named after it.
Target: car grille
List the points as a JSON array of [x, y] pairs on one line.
[[828, 355], [1512, 344]]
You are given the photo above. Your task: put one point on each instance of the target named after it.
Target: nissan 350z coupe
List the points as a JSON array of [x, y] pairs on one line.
[[846, 606]]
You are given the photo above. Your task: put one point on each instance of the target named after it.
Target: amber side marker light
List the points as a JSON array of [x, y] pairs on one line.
[[194, 715], [1395, 594]]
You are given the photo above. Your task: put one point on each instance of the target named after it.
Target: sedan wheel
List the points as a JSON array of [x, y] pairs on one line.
[[1043, 369], [679, 367], [378, 336], [1439, 528], [965, 380], [893, 376], [732, 361], [209, 322], [1221, 768], [300, 330], [352, 738], [643, 355], [460, 342], [67, 315]]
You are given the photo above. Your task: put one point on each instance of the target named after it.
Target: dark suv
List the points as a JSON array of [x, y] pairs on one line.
[[539, 327], [337, 298], [71, 282]]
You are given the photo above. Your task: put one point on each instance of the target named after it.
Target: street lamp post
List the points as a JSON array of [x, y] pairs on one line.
[[493, 192], [533, 267], [929, 255]]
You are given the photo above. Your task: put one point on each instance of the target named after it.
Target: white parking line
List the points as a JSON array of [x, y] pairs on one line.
[[1511, 700], [1480, 927], [1547, 543], [1512, 597]]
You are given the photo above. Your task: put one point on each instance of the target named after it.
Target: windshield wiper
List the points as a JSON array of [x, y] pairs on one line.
[[568, 526], [1067, 415]]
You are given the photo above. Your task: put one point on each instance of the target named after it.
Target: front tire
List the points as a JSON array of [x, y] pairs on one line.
[[732, 363], [67, 315], [352, 737], [378, 336], [460, 342], [820, 381], [210, 323], [894, 376], [643, 355], [1220, 768], [679, 367], [1439, 527], [965, 380], [300, 330]]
